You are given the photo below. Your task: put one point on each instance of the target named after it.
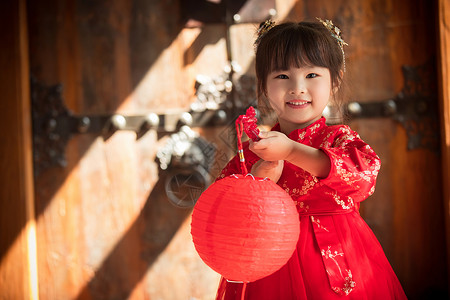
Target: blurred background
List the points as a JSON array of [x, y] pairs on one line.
[[118, 114]]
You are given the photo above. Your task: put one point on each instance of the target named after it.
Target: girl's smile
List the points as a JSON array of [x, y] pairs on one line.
[[297, 104], [299, 95]]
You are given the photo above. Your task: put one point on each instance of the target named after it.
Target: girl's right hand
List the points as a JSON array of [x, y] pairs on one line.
[[269, 169]]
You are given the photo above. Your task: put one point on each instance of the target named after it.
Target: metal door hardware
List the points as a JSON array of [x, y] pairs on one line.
[[54, 124], [187, 158], [415, 107]]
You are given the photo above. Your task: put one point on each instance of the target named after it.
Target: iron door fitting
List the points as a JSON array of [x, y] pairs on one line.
[[415, 107]]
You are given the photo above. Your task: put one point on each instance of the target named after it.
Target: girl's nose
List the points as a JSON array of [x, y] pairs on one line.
[[298, 87]]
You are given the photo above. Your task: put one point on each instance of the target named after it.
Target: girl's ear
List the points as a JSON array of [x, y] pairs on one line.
[[339, 81], [341, 75]]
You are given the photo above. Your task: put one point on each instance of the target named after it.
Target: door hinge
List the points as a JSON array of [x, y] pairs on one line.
[[415, 107]]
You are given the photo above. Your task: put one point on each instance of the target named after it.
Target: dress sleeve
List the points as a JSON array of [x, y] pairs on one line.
[[354, 165]]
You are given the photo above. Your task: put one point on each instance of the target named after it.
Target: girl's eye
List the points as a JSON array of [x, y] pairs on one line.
[[282, 76], [311, 75]]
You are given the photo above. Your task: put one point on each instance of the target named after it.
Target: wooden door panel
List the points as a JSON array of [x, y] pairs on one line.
[[104, 218], [17, 224], [444, 95]]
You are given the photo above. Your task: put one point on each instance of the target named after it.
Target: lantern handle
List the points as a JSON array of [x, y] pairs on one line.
[[239, 131]]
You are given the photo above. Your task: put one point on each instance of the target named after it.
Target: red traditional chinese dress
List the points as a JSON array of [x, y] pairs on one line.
[[337, 255]]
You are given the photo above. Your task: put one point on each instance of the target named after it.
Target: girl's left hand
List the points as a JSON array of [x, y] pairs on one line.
[[268, 169], [273, 146]]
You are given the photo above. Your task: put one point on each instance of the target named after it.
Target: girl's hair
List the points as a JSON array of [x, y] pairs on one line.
[[297, 44]]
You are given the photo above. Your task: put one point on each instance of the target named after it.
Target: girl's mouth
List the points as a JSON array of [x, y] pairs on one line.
[[297, 104]]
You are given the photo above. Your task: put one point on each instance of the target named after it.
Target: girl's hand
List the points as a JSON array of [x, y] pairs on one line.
[[276, 146], [269, 169], [273, 146]]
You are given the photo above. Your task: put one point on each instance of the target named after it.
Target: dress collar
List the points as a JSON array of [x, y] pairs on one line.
[[297, 133]]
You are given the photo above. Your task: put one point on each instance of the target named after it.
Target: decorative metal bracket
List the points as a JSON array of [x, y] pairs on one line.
[[54, 124], [415, 107], [188, 159]]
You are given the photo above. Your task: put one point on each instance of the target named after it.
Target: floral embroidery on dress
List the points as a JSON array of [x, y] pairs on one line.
[[349, 285], [308, 185], [326, 143], [312, 131], [329, 254], [345, 205], [301, 136], [317, 222], [372, 190], [301, 206], [286, 188], [344, 139], [306, 182], [346, 176], [314, 127], [351, 178]]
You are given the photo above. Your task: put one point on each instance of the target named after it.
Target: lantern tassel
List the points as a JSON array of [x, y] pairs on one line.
[[239, 131], [244, 287]]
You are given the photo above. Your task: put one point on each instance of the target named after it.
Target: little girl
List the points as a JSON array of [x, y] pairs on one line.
[[327, 170]]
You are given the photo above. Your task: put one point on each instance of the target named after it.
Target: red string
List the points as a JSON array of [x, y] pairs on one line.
[[239, 131], [244, 286]]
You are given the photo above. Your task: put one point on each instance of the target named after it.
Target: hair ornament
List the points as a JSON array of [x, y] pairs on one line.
[[264, 27], [336, 33]]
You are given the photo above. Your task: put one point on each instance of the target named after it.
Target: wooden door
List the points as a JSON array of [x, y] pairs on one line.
[[105, 228]]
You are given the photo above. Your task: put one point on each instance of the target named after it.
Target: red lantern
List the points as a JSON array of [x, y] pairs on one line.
[[245, 228]]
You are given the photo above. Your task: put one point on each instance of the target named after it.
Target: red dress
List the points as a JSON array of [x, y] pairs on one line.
[[337, 255]]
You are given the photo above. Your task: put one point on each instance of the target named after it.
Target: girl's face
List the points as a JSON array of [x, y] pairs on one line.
[[299, 95]]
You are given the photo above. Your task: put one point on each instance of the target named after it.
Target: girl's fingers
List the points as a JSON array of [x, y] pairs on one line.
[[261, 144], [263, 134]]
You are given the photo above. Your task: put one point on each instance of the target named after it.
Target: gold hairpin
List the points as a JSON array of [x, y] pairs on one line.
[[336, 33], [262, 30]]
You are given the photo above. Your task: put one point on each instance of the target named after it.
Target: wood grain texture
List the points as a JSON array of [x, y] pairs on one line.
[[16, 176], [104, 220], [444, 72]]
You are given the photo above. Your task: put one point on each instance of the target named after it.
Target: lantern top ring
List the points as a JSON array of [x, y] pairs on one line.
[[249, 174]]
